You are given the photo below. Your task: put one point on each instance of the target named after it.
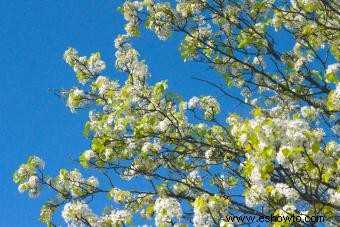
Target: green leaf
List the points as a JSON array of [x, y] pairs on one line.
[[315, 146], [329, 103], [248, 168], [257, 112], [331, 78], [87, 129], [83, 161], [268, 167]]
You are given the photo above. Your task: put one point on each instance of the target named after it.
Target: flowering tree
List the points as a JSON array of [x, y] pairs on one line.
[[281, 159]]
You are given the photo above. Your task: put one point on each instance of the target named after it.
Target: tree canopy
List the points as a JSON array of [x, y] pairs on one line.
[[282, 158]]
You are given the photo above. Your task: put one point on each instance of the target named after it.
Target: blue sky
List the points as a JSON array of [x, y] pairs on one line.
[[33, 37]]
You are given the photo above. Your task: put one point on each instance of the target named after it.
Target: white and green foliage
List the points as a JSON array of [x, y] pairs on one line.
[[281, 159]]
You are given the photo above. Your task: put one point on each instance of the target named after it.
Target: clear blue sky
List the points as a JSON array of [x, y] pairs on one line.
[[33, 37]]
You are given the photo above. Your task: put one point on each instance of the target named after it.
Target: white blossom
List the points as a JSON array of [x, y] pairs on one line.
[[166, 209], [74, 211], [333, 68], [193, 102]]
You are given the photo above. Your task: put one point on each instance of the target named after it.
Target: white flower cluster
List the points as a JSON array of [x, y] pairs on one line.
[[283, 190], [87, 156], [309, 112], [77, 98], [130, 10], [194, 179], [31, 185], [256, 195], [104, 85], [164, 125], [166, 209], [187, 8], [208, 103], [190, 46], [333, 101], [321, 159], [77, 213], [73, 182], [127, 61], [193, 102], [333, 68], [259, 60], [188, 184], [201, 217], [334, 197], [26, 176], [85, 69], [288, 209], [160, 20], [37, 162], [209, 156], [115, 218], [260, 135], [119, 196]]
